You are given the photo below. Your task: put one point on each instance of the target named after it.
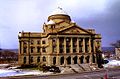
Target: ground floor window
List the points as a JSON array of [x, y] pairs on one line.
[[61, 60], [75, 60], [54, 60], [87, 59], [24, 60], [93, 58], [81, 59], [69, 60]]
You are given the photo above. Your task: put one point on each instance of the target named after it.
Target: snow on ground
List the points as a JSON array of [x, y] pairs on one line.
[[17, 72], [1, 65], [112, 63]]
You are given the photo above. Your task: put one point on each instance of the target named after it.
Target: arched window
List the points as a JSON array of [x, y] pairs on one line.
[[75, 60], [69, 60], [24, 60], [87, 59], [54, 60], [93, 58], [61, 60], [81, 59]]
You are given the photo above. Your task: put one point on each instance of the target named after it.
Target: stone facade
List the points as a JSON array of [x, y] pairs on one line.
[[62, 43]]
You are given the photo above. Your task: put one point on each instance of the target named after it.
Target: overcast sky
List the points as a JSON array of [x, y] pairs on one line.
[[29, 15]]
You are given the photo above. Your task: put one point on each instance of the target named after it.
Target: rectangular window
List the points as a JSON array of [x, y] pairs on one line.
[[54, 48], [38, 49], [43, 49], [32, 49], [31, 59], [31, 42], [38, 59], [38, 42], [74, 50], [24, 43], [43, 42], [24, 49], [67, 50], [44, 58]]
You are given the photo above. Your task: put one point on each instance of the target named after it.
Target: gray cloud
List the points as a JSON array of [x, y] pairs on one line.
[[107, 23]]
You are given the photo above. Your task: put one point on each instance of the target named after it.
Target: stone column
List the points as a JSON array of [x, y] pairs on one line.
[[72, 61], [83, 48], [65, 45], [77, 45], [89, 45], [90, 59], [78, 60], [58, 46], [50, 60], [94, 44], [22, 47], [71, 45], [65, 60], [58, 60], [85, 61]]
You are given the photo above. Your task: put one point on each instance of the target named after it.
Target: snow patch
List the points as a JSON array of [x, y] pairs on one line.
[[112, 63], [18, 72]]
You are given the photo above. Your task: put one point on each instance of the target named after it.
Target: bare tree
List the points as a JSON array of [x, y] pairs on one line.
[[8, 56]]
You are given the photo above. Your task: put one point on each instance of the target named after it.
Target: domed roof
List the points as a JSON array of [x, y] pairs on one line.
[[59, 11]]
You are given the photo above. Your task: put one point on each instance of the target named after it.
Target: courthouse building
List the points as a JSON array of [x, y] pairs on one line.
[[62, 43]]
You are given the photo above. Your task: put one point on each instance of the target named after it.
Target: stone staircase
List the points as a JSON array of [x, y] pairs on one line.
[[76, 68], [80, 67]]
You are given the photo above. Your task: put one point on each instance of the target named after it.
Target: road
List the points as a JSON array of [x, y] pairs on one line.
[[112, 73]]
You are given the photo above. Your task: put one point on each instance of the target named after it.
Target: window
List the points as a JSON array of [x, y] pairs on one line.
[[31, 42], [24, 60], [24, 43], [38, 42], [43, 49], [24, 49], [67, 50], [74, 50], [44, 58], [38, 59], [54, 48], [38, 49], [31, 59], [32, 49], [43, 42]]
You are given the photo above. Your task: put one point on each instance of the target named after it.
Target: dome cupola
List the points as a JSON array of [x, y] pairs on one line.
[[59, 14]]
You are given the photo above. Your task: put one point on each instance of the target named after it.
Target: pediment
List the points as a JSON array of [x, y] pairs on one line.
[[74, 30]]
